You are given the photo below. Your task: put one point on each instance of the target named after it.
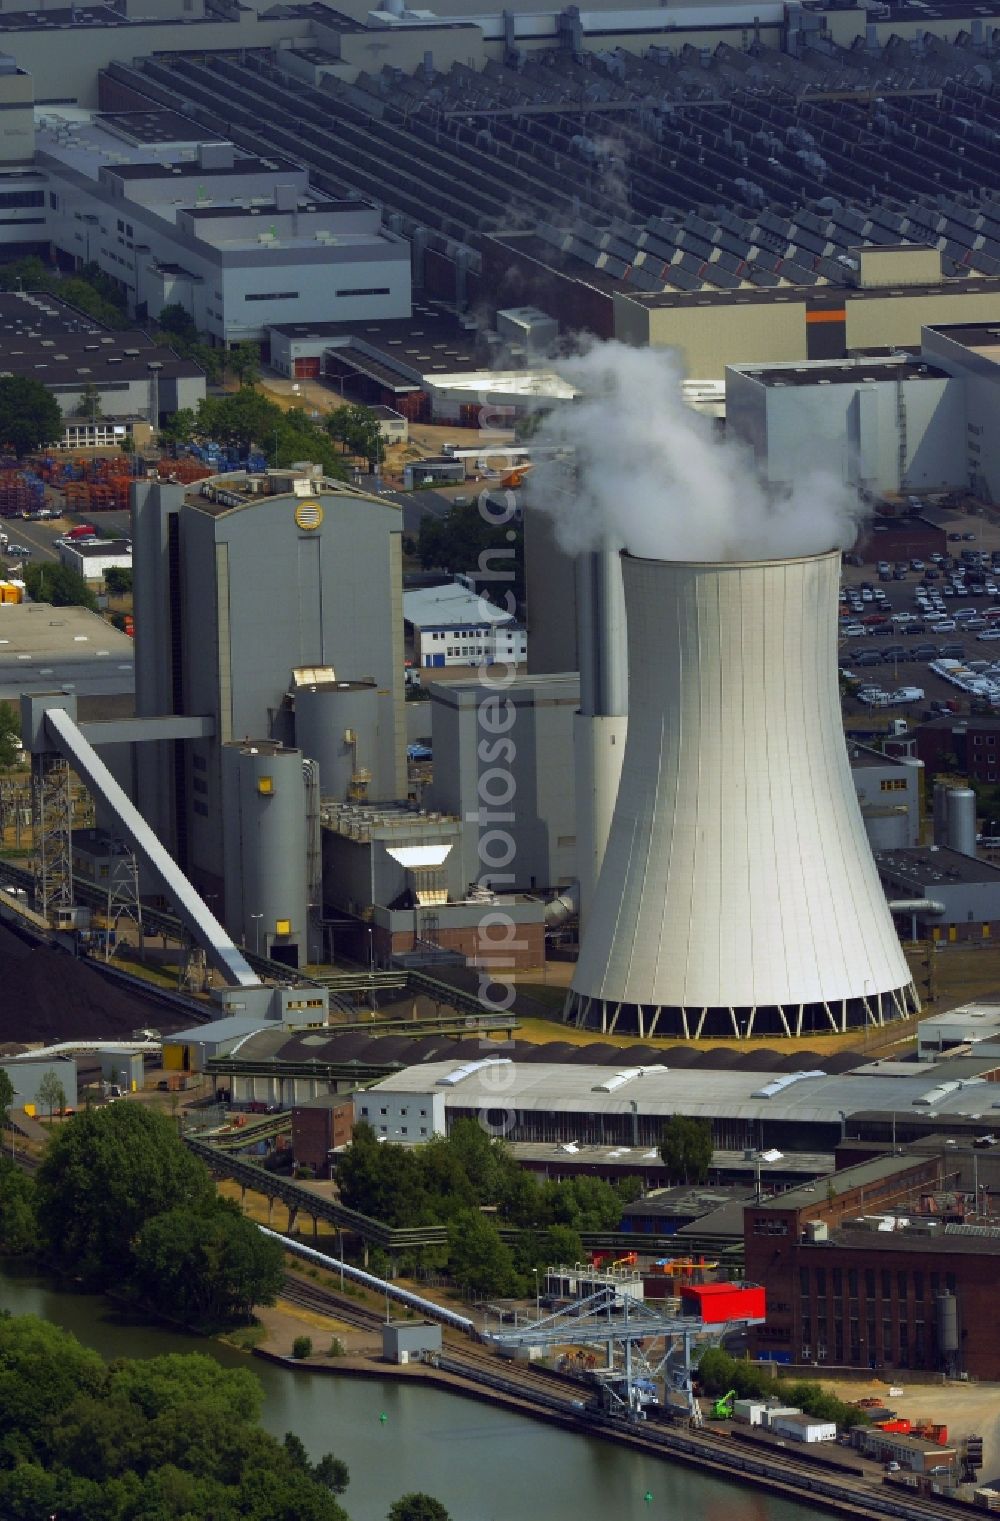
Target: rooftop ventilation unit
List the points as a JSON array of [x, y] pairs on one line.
[[471, 1068]]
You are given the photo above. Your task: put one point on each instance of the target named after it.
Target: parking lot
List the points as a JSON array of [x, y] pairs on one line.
[[925, 635]]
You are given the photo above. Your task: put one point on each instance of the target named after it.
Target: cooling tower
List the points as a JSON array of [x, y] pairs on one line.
[[738, 894]]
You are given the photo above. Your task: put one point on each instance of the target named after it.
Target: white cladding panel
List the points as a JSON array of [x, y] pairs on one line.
[[737, 871]]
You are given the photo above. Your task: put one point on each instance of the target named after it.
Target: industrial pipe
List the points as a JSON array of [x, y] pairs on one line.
[[563, 908]]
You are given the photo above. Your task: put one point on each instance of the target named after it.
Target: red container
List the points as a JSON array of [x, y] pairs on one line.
[[718, 1302], [900, 1426]]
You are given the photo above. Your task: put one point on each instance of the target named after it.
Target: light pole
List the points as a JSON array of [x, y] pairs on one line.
[[256, 918], [371, 969], [340, 1243], [538, 1295]]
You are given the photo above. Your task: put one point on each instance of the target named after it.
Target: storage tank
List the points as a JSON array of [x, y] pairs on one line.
[[337, 725], [266, 848], [962, 820], [738, 893], [947, 1324]]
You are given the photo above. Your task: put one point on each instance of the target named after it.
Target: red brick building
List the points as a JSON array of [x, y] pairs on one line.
[[320, 1126], [844, 1290]]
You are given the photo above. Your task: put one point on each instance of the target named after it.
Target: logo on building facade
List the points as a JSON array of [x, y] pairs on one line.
[[309, 515]]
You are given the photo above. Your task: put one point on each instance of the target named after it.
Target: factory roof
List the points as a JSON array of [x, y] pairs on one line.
[[934, 866], [432, 341], [551, 687], [951, 1239], [863, 756], [855, 372], [450, 606], [101, 549], [232, 1027], [43, 337], [975, 1021], [861, 1175], [803, 1097], [683, 1202], [44, 648], [239, 489]]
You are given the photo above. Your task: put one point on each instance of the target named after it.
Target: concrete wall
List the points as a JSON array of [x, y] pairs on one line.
[[27, 1074], [518, 741], [852, 428], [708, 337], [400, 1116]]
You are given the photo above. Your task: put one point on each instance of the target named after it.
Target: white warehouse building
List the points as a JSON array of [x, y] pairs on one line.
[[238, 241], [887, 425], [904, 423]]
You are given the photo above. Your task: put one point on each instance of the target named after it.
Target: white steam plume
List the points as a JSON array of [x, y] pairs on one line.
[[653, 475]]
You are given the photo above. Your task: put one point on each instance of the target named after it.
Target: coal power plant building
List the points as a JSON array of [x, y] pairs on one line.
[[738, 895], [266, 605]]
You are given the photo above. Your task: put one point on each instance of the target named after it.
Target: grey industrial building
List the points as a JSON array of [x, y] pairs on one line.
[[42, 647], [538, 712], [955, 896], [122, 377], [573, 1103], [257, 600], [889, 791], [730, 228]]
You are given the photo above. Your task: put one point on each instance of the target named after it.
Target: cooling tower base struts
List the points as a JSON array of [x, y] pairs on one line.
[[792, 1020]]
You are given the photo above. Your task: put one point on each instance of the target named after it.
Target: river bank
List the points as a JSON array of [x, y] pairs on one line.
[[484, 1465]]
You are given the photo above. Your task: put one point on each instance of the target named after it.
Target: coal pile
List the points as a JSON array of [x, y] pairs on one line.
[[48, 995]]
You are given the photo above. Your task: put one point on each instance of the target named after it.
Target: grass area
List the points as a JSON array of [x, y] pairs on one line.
[[245, 1338], [127, 958]]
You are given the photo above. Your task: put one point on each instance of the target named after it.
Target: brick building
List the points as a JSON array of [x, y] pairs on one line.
[[969, 746], [320, 1126], [865, 1268]]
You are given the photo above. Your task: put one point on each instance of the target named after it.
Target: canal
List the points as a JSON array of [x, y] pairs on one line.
[[483, 1464]]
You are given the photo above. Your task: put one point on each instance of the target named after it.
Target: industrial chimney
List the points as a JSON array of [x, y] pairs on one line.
[[738, 895]]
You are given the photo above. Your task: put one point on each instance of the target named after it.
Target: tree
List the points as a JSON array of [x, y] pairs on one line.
[[479, 1260], [467, 538], [179, 427], [30, 416], [103, 1178], [209, 1267], [169, 1438], [241, 419], [118, 580], [127, 444], [52, 1094], [6, 1086], [51, 582], [10, 736], [89, 405], [357, 430], [417, 1507], [17, 1209], [243, 361], [686, 1149], [176, 321]]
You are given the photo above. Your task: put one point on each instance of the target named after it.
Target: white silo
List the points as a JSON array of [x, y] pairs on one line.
[[738, 893]]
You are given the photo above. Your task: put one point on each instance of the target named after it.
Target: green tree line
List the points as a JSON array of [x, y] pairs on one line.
[[120, 1204], [452, 1181], [718, 1372]]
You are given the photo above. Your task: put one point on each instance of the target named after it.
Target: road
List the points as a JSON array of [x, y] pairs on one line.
[[40, 536], [415, 504]]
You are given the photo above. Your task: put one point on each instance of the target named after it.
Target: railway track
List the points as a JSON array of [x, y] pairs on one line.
[[560, 1398]]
